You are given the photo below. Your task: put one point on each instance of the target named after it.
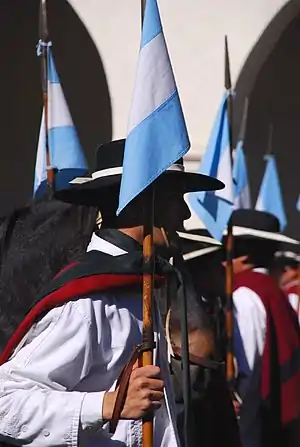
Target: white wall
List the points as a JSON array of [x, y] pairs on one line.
[[195, 32]]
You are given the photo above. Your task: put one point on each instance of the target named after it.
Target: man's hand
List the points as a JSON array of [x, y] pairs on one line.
[[145, 394]]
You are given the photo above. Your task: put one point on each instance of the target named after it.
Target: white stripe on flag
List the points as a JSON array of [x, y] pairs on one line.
[[59, 115], [242, 200], [154, 81], [259, 204], [225, 175], [40, 166]]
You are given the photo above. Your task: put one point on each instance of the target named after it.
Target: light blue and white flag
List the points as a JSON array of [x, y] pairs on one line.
[[157, 136], [214, 208], [66, 153], [240, 179], [270, 197], [298, 203]]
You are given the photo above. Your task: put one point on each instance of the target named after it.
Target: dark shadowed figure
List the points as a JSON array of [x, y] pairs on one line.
[[36, 242], [215, 423]]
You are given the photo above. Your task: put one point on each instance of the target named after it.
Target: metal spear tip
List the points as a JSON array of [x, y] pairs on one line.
[[44, 35], [227, 67]]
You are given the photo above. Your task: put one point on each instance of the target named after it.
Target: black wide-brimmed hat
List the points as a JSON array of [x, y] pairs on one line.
[[249, 224], [107, 178]]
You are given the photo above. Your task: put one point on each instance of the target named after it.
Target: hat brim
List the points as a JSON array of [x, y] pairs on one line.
[[251, 233], [198, 238], [92, 191], [201, 252]]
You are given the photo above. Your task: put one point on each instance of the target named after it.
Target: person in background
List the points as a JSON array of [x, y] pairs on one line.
[[286, 269], [267, 338]]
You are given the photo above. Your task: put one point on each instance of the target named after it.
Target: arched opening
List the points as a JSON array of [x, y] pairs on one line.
[[81, 73], [270, 78]]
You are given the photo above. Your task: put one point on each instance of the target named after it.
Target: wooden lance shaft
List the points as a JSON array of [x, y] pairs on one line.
[[50, 172], [230, 367], [298, 306], [44, 50], [148, 275]]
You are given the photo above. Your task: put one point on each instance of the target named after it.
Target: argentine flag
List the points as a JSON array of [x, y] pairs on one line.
[[214, 208], [270, 196], [240, 179], [298, 203], [66, 154], [157, 136]]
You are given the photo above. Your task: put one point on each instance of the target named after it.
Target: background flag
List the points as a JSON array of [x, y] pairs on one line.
[[214, 208], [270, 196], [240, 179], [157, 135], [298, 204], [66, 153]]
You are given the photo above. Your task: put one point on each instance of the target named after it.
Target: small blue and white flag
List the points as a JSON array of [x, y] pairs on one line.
[[240, 179], [214, 208], [66, 153], [157, 136], [270, 197], [298, 203]]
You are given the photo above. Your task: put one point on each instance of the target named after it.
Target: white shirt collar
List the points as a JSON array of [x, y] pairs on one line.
[[262, 270], [97, 243]]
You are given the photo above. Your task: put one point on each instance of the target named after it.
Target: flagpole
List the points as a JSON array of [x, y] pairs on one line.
[[148, 274], [270, 140], [44, 37], [243, 127], [230, 368]]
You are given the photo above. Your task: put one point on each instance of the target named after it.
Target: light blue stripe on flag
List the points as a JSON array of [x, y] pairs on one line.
[[64, 147], [157, 135], [298, 203], [52, 73], [270, 197], [240, 179], [215, 208]]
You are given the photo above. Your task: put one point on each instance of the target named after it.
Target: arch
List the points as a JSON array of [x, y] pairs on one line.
[[84, 82], [270, 79]]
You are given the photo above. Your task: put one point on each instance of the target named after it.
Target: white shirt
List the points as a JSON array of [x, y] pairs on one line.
[[249, 340], [52, 389], [294, 302]]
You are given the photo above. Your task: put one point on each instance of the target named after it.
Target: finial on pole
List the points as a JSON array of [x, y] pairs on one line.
[[227, 67], [270, 140]]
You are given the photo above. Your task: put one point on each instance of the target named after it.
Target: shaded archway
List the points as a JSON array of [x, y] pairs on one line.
[[82, 76], [270, 78]]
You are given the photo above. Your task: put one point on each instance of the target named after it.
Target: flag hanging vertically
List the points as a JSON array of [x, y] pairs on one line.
[[66, 154], [157, 135], [215, 208], [298, 203], [240, 179], [270, 197]]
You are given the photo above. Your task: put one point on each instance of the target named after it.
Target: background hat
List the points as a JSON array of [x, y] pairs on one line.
[[249, 224], [288, 255], [107, 177], [197, 243]]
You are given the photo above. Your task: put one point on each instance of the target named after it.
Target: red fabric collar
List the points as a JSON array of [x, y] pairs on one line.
[[72, 290]]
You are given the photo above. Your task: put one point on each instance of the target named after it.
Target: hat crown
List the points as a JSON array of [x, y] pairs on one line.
[[255, 220], [110, 155]]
